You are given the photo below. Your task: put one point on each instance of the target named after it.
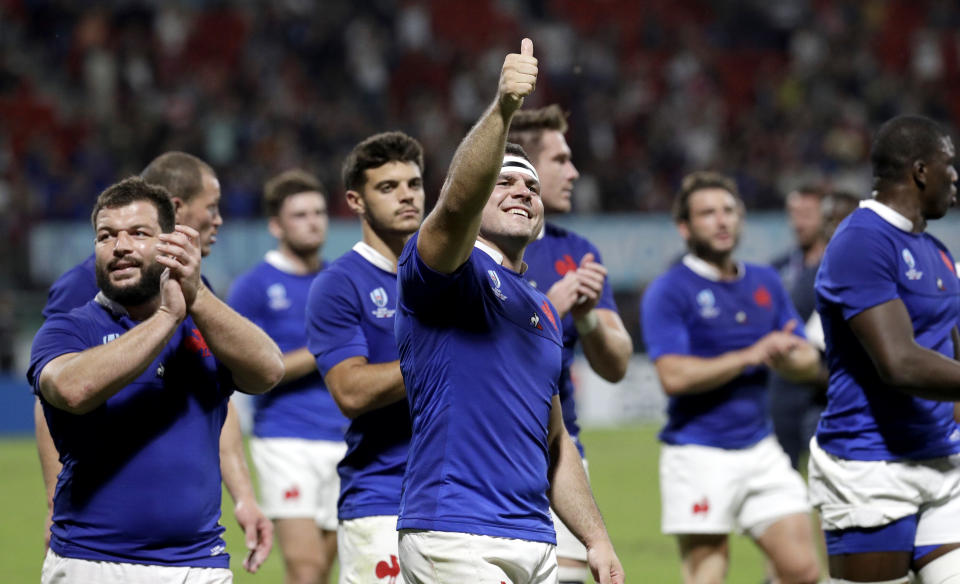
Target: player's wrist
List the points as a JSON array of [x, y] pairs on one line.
[[586, 323]]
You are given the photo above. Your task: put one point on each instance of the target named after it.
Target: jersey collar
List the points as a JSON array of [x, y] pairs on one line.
[[888, 214], [496, 255], [279, 261], [115, 308], [374, 257], [707, 271]]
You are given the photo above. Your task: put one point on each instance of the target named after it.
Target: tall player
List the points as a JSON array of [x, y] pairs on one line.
[[350, 323], [297, 428], [480, 351], [195, 192], [884, 470], [569, 268], [713, 328]]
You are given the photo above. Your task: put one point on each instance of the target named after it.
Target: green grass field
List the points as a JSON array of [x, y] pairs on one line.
[[623, 470]]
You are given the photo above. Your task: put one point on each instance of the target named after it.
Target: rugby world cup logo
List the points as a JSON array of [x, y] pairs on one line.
[[495, 279], [708, 303], [912, 273], [380, 299]]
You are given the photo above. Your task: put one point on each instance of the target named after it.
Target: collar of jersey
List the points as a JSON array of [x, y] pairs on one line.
[[707, 271], [374, 257], [281, 262], [115, 308], [888, 214], [496, 255]]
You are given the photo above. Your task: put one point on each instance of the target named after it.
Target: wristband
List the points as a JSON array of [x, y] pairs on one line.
[[587, 324]]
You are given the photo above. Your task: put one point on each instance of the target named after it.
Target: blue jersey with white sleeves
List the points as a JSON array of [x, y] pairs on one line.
[[141, 473], [874, 258], [690, 311], [481, 354], [350, 313], [275, 299]]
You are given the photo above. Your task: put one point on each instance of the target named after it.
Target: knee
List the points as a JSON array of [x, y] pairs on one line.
[[800, 571], [307, 571]]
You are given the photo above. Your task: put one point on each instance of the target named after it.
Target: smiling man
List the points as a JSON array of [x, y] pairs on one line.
[[480, 351], [134, 386], [714, 327]]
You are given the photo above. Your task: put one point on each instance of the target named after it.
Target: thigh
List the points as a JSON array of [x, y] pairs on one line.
[[772, 488], [288, 479], [699, 489], [328, 456], [437, 557], [789, 545], [368, 552]]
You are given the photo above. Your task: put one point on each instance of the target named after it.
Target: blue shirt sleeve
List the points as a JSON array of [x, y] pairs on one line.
[[74, 288], [858, 271], [334, 331], [247, 298], [58, 336], [663, 319], [424, 290]]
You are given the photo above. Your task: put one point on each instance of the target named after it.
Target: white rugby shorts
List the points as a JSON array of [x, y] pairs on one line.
[[568, 546], [367, 550], [707, 490], [441, 557], [873, 493], [298, 478], [60, 570]]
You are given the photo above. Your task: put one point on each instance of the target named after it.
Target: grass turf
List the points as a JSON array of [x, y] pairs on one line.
[[623, 471]]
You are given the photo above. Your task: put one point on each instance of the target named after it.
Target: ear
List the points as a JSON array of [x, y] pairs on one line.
[[178, 206], [273, 225], [684, 228], [920, 173], [356, 203]]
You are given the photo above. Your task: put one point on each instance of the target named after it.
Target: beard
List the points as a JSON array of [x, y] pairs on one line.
[[144, 290], [702, 248]]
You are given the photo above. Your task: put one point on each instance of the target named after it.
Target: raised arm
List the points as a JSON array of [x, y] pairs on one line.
[[886, 333], [358, 386], [449, 232], [572, 499]]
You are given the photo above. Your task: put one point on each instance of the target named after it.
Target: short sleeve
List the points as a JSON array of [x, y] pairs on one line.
[[857, 271], [334, 331], [662, 318], [424, 290], [58, 336], [74, 288]]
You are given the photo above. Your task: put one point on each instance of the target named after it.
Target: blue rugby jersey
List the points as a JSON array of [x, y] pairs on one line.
[[275, 299], [481, 354], [141, 473], [549, 258], [350, 313], [688, 311], [874, 258], [73, 288]]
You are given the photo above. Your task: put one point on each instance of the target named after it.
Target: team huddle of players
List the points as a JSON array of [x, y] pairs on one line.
[[414, 416]]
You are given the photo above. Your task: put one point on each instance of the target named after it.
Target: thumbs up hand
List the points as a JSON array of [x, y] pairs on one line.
[[518, 78]]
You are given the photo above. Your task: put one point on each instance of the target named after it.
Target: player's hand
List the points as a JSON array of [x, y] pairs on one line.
[[591, 276], [258, 532], [180, 253], [563, 294], [604, 564], [171, 296], [518, 78]]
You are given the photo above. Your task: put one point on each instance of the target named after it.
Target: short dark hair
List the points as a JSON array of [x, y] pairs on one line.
[[809, 190], [512, 149], [527, 126], [131, 190], [181, 174], [696, 181], [900, 142], [286, 184], [374, 152]]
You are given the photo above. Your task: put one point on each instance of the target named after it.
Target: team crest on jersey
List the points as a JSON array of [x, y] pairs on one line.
[[708, 304], [277, 295], [380, 299], [495, 279], [913, 273], [110, 337]]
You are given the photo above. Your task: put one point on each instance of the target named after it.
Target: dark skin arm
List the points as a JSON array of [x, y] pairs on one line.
[[886, 333]]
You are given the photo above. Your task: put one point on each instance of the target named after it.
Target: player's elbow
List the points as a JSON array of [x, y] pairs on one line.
[[261, 379], [673, 385], [350, 405], [895, 369], [69, 396]]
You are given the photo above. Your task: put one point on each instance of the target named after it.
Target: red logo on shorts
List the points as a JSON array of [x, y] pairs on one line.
[[389, 571], [291, 493], [565, 264], [762, 297], [196, 343], [702, 507]]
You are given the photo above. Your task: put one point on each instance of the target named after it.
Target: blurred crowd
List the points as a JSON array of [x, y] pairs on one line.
[[775, 93]]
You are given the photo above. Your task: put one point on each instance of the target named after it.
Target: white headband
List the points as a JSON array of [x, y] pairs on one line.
[[513, 163]]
